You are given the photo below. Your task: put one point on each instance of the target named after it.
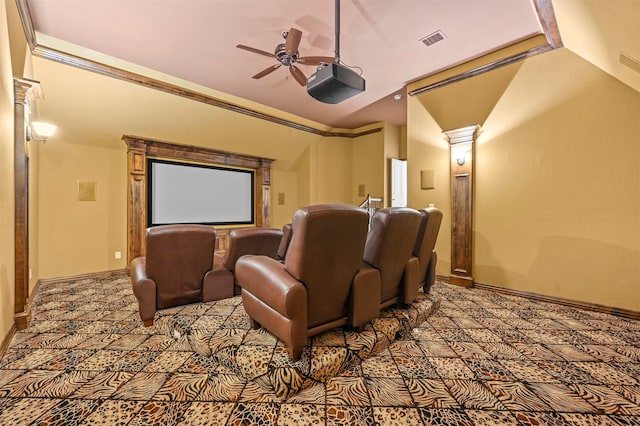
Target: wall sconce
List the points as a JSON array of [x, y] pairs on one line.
[[40, 131], [459, 154], [461, 143]]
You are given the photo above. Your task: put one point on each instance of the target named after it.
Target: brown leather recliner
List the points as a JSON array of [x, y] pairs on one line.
[[258, 241], [389, 249], [322, 283], [177, 269], [425, 245]]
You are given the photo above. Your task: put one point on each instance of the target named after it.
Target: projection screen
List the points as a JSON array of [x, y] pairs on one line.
[[195, 193]]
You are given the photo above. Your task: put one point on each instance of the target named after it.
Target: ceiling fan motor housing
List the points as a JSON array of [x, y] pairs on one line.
[[281, 55], [333, 83]]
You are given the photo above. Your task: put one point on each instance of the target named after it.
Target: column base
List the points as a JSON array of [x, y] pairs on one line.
[[461, 281], [22, 319]]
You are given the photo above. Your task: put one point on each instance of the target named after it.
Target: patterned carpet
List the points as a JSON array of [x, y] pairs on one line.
[[221, 330], [483, 358]]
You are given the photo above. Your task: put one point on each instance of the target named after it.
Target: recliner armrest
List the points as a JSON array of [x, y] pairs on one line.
[[364, 304], [138, 269], [430, 276], [411, 280], [268, 280], [217, 284], [144, 289]]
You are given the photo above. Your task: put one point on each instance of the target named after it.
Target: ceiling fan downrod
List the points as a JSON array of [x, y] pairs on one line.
[[337, 24], [333, 82]]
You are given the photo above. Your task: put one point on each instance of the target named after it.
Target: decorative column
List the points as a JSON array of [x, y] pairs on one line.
[[25, 91], [136, 198], [462, 149], [263, 192]]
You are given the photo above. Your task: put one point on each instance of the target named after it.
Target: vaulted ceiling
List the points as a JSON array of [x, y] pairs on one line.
[[195, 41]]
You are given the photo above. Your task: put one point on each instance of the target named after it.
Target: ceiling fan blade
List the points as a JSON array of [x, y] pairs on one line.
[[293, 41], [266, 71], [315, 60], [298, 75], [254, 50]]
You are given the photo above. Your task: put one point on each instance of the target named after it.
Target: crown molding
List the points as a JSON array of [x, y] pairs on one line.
[[152, 83], [548, 40]]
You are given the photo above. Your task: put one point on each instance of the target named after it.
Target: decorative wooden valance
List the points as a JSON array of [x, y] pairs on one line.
[[140, 148]]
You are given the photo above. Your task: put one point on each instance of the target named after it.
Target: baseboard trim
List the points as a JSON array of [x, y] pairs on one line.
[[7, 340], [22, 319], [90, 275], [594, 307]]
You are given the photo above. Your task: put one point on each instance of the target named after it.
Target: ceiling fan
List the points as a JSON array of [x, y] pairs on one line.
[[287, 54]]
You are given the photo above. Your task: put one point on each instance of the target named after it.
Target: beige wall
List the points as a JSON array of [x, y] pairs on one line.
[[392, 139], [368, 166], [33, 152], [427, 150], [556, 205], [557, 184], [17, 40], [306, 190], [330, 170], [288, 187], [333, 177], [403, 143], [7, 259], [81, 236]]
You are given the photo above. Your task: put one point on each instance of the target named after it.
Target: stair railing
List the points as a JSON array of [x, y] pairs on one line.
[[371, 205]]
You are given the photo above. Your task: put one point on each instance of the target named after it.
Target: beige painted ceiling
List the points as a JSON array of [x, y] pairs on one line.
[[194, 40]]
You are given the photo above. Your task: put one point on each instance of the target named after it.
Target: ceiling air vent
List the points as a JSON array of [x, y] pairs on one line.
[[433, 38]]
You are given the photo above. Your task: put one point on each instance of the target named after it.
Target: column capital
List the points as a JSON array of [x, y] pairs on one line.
[[26, 91], [461, 135]]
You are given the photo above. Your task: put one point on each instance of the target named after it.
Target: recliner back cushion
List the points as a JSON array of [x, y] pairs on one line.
[[177, 258], [256, 241], [390, 245], [325, 253]]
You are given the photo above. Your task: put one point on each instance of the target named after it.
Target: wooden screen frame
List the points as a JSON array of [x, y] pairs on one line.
[[139, 148]]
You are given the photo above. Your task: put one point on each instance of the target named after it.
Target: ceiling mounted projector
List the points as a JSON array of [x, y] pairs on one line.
[[333, 83]]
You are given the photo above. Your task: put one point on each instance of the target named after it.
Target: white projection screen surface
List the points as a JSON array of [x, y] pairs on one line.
[[194, 193]]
